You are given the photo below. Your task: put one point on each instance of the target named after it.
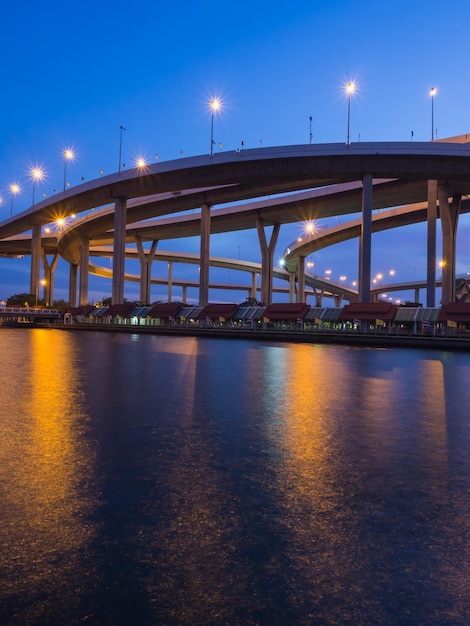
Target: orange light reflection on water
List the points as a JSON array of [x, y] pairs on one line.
[[51, 463]]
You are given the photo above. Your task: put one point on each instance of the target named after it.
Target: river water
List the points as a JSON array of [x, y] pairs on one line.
[[163, 480]]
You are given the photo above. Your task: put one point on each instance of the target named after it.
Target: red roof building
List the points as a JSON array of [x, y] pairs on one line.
[[218, 311], [368, 311], [286, 312], [458, 312], [165, 310]]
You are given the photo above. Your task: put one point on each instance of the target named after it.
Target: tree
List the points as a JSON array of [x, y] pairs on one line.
[[25, 299]]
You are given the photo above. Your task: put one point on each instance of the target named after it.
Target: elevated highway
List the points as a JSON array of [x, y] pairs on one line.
[[296, 183]]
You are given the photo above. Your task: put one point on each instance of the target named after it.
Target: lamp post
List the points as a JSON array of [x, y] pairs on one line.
[[350, 88], [36, 174], [432, 93], [15, 189], [121, 128], [215, 106], [68, 156], [310, 120]]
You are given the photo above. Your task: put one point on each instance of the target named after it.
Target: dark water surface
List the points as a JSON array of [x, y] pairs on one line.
[[165, 480]]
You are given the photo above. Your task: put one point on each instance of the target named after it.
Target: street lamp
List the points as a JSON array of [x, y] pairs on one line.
[[311, 120], [121, 128], [36, 174], [68, 156], [432, 93], [215, 106], [350, 89], [15, 189]]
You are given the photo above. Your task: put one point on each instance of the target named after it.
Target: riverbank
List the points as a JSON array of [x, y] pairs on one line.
[[323, 337]]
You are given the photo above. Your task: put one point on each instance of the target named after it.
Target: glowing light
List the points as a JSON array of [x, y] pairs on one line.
[[15, 189], [310, 227], [342, 278], [350, 88], [37, 173], [215, 104], [282, 262], [433, 91], [140, 163]]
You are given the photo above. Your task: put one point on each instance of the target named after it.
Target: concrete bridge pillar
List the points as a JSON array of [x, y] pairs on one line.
[[291, 287], [365, 240], [253, 290], [301, 279], [204, 255], [84, 267], [36, 250], [449, 212], [170, 280], [267, 256], [119, 256], [431, 245], [185, 289], [49, 273], [73, 275], [146, 260]]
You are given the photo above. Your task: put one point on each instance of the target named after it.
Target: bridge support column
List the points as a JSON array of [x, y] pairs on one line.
[[84, 267], [338, 299], [73, 275], [318, 297], [36, 248], [291, 287], [146, 261], [431, 245], [267, 255], [49, 272], [253, 290], [301, 279], [365, 240], [204, 255], [449, 212], [185, 289], [170, 280], [119, 257]]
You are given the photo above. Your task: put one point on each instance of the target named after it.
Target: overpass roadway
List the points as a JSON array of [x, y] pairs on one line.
[[176, 186]]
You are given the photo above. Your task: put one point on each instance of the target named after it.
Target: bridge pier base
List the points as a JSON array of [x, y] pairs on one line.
[[146, 261], [204, 255], [431, 245], [36, 249], [120, 219], [267, 256], [84, 268], [449, 212], [49, 272], [365, 240], [73, 276]]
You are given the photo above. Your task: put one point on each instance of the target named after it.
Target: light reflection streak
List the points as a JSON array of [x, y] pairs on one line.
[[45, 493]]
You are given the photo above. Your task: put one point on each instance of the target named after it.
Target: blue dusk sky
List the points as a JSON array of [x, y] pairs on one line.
[[74, 72]]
